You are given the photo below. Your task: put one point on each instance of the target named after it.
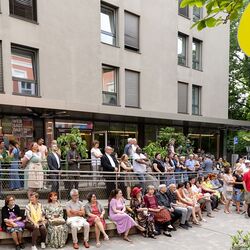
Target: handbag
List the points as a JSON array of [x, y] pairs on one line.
[[57, 222]]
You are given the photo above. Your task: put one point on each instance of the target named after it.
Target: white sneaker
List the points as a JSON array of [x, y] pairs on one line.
[[43, 246], [33, 248]]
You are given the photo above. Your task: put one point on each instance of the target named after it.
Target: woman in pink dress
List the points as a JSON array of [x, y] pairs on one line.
[[117, 213], [95, 212]]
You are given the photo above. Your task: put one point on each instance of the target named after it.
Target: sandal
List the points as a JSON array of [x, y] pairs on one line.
[[127, 239], [98, 244], [106, 237]]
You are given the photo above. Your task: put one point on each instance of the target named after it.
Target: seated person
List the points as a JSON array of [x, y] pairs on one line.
[[12, 221], [75, 212], [35, 220], [163, 200], [162, 216], [95, 213]]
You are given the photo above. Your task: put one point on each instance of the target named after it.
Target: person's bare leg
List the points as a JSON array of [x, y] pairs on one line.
[[126, 236], [237, 206], [195, 221], [128, 192], [15, 238], [101, 228], [97, 234], [20, 237]]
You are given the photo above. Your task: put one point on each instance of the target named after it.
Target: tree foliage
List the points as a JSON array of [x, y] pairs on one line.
[[217, 11]]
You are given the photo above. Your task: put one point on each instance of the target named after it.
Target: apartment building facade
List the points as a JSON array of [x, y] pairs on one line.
[[114, 69]]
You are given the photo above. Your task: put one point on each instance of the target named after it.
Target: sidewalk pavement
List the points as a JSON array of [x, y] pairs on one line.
[[213, 234]]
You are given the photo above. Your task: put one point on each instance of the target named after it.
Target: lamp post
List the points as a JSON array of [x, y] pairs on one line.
[[248, 151]]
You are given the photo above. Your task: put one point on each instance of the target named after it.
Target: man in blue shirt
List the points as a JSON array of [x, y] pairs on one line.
[[190, 163], [208, 164]]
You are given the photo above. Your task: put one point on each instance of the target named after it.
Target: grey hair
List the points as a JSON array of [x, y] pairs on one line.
[[161, 186], [150, 187], [73, 191]]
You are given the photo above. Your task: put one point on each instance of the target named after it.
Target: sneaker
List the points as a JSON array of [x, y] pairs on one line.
[[43, 246], [22, 246], [184, 226], [187, 224], [33, 248], [18, 247], [168, 234], [210, 215]]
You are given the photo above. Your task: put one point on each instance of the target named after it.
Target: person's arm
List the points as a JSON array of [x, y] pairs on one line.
[[155, 166], [182, 200], [123, 165], [206, 189], [113, 207]]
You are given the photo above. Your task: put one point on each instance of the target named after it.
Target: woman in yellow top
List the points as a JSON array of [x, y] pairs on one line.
[[36, 222]]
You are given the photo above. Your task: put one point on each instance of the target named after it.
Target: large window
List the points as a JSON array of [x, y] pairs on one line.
[[182, 49], [26, 9], [24, 70], [197, 54], [108, 25], [182, 97], [197, 14], [196, 100], [132, 31], [1, 69], [109, 85], [183, 11], [132, 83]]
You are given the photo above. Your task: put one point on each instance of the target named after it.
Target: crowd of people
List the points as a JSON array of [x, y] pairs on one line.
[[163, 192]]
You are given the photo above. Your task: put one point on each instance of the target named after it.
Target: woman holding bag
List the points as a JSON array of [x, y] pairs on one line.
[[57, 229], [12, 222], [33, 175]]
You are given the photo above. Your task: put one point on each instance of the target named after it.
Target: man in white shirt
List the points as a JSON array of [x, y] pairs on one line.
[[54, 164], [109, 164], [140, 163]]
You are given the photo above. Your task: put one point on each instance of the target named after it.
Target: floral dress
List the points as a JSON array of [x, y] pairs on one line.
[[57, 234], [145, 219]]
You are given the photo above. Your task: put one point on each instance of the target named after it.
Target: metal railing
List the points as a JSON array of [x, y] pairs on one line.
[[17, 181]]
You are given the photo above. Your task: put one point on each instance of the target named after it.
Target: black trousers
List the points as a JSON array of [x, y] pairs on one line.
[[54, 182], [176, 215], [215, 201], [110, 183]]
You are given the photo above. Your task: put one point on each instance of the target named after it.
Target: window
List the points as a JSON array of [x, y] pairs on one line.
[[183, 11], [196, 100], [196, 54], [109, 85], [132, 31], [24, 71], [182, 49], [182, 98], [132, 81], [1, 69], [24, 8], [108, 25], [197, 14]]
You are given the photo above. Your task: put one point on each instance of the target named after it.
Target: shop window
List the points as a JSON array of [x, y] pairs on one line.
[[26, 9], [24, 71]]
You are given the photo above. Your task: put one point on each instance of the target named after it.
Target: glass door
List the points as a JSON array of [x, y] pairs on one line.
[[102, 137]]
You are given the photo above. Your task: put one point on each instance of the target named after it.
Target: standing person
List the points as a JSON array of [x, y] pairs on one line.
[[190, 163], [1, 159], [95, 212], [134, 145], [12, 221], [54, 164], [96, 156], [228, 183], [177, 168], [171, 144], [126, 167], [246, 184], [169, 168], [117, 213], [128, 148], [44, 153], [73, 160], [33, 175], [159, 167], [238, 193], [57, 227], [208, 165], [75, 212], [14, 150], [35, 220], [109, 164], [183, 169], [54, 142], [5, 153], [140, 163]]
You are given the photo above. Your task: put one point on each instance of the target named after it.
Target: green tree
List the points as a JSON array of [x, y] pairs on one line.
[[217, 11]]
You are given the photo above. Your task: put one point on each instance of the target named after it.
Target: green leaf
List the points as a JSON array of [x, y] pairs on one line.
[[210, 22], [201, 25]]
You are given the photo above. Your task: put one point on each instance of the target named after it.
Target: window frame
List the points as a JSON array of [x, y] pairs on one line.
[[115, 13], [126, 46], [195, 17], [34, 18], [116, 70], [186, 38], [198, 106], [186, 8], [187, 109], [24, 51], [194, 60], [139, 84]]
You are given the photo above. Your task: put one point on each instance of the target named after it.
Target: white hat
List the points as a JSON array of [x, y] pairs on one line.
[[247, 161]]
